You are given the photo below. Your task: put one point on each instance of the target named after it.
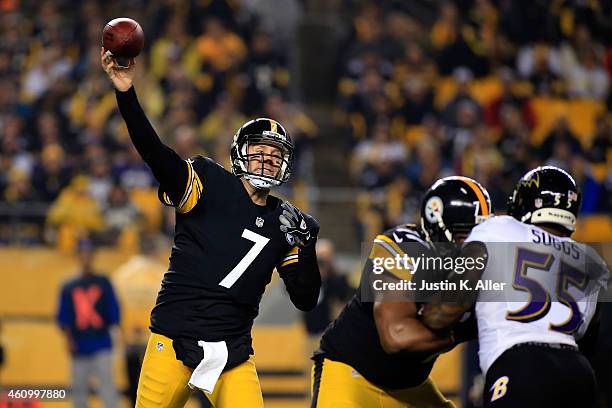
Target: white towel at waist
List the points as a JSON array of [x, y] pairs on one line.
[[206, 374]]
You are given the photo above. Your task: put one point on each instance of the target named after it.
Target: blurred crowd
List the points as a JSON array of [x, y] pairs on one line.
[[67, 167], [483, 88]]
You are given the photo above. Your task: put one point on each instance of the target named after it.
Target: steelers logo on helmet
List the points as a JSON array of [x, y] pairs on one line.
[[262, 131], [433, 209]]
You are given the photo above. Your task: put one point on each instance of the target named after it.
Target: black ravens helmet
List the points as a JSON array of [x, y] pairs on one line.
[[546, 195], [262, 131], [452, 206]]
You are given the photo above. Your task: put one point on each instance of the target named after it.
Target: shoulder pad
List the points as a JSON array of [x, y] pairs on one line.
[[497, 226], [200, 160]]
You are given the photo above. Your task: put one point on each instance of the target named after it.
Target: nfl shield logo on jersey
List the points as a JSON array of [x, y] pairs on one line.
[[159, 346], [259, 222]]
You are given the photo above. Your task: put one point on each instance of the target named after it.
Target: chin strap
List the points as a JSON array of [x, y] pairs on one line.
[[442, 226], [261, 183], [447, 233], [526, 217]]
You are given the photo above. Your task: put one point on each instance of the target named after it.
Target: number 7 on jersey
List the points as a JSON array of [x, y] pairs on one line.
[[260, 242]]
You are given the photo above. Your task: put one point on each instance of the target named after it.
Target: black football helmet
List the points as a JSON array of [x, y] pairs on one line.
[[261, 131], [546, 195], [453, 205]]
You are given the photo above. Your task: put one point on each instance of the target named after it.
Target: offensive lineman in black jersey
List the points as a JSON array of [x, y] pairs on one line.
[[230, 234], [378, 353]]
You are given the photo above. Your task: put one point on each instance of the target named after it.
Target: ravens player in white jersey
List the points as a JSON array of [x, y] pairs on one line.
[[230, 235], [529, 333], [377, 353]]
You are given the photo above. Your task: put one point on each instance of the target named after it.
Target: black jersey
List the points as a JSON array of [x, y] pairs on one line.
[[353, 338], [225, 249]]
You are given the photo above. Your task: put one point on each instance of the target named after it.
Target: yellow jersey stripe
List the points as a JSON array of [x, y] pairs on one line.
[[189, 185], [293, 251], [390, 242], [167, 199], [289, 262], [193, 191], [290, 257], [382, 252]]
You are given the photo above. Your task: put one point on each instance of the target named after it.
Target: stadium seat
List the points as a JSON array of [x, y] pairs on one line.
[[446, 88], [413, 135], [581, 115], [594, 228], [486, 89]]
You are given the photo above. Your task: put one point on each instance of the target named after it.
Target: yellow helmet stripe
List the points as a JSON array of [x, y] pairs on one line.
[[273, 126]]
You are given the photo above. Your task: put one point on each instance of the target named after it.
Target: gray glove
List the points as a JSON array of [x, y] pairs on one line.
[[300, 229]]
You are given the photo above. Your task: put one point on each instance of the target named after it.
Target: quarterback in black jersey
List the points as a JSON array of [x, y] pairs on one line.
[[378, 353], [230, 235]]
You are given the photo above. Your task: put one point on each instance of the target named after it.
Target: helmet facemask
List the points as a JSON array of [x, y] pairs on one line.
[[258, 176]]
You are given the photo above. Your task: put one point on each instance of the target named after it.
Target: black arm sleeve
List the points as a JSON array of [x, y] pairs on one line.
[[167, 166], [303, 279]]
